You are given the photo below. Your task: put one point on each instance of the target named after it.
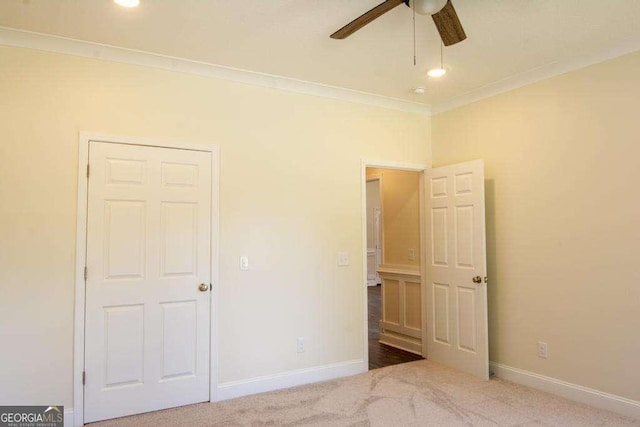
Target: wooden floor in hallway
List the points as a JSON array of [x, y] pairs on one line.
[[381, 355]]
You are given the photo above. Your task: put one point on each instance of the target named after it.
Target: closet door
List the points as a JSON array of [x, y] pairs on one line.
[[147, 288]]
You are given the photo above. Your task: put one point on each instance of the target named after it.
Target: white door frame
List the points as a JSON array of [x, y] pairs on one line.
[[363, 191], [81, 249], [380, 236]]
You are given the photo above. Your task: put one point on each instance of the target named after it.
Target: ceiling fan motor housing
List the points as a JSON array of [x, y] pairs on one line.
[[426, 7], [442, 11]]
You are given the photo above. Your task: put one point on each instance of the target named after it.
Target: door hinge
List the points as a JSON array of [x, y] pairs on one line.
[[486, 280], [210, 287], [87, 170], [86, 272], [84, 377]]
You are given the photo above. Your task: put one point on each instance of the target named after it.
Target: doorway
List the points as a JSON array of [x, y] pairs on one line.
[[450, 284], [393, 266]]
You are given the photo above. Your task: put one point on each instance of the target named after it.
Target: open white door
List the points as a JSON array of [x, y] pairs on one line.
[[148, 282], [455, 267]]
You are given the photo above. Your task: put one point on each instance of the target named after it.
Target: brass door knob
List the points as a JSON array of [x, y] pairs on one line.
[[203, 287], [477, 279]]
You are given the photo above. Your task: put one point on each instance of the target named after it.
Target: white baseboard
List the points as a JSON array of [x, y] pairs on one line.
[[68, 418], [262, 384], [599, 399]]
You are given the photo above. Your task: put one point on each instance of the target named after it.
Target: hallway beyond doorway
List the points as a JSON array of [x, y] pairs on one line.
[[381, 355]]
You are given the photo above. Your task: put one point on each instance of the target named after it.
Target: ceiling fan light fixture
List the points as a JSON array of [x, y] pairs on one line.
[[436, 72], [127, 3], [427, 7]]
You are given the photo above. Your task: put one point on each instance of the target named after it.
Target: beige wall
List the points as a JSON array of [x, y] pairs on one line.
[[290, 200], [563, 221], [400, 215]]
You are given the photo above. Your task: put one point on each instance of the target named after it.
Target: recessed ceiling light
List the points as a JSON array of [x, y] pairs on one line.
[[439, 71], [127, 3], [419, 90], [436, 72]]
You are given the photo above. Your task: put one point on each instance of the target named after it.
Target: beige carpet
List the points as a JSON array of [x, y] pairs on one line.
[[419, 393]]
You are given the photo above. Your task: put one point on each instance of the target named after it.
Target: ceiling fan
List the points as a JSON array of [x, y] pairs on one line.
[[442, 12]]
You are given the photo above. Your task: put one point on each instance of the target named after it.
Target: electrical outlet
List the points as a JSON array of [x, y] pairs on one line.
[[244, 263], [412, 254], [542, 349], [302, 342]]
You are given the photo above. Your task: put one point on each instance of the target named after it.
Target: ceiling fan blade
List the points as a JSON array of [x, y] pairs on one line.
[[449, 26], [363, 20]]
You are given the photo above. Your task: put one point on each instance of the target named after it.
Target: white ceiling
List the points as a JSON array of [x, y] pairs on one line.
[[506, 38]]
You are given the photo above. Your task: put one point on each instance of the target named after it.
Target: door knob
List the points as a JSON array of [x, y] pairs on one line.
[[477, 279], [203, 287]]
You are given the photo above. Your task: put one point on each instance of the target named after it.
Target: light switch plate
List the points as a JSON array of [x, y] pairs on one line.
[[343, 259]]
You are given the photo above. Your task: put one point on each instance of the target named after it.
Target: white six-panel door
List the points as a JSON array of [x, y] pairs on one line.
[[148, 250], [456, 267]]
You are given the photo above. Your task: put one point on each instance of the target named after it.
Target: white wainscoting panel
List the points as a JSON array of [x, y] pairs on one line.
[[401, 323]]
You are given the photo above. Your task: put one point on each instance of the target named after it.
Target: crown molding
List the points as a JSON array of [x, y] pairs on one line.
[[535, 75], [49, 43]]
